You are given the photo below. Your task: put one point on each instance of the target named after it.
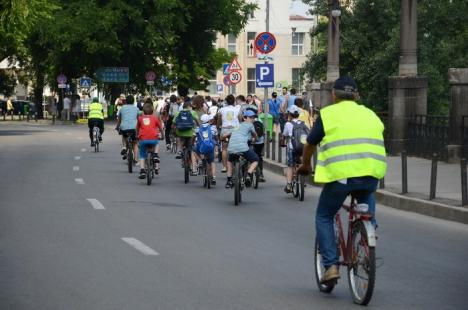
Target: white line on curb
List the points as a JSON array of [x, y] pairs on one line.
[[140, 246], [79, 181], [96, 204], [76, 168], [77, 157]]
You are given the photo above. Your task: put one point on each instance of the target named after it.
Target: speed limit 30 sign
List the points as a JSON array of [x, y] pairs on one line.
[[235, 77]]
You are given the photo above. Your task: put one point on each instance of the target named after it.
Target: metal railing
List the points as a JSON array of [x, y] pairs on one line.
[[428, 134]]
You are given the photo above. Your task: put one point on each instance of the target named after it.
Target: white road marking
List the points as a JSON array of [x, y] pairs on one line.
[[77, 157], [76, 168], [79, 181], [83, 150], [96, 204], [140, 246]]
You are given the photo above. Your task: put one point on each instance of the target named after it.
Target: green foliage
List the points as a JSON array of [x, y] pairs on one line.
[[7, 84], [370, 32]]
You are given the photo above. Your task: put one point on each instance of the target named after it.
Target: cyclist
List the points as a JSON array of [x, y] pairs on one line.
[[172, 109], [149, 130], [206, 140], [239, 143], [184, 123], [351, 157], [227, 120], [95, 117], [292, 156], [127, 118]]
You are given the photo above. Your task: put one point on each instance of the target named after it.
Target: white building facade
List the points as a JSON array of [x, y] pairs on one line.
[[291, 25]]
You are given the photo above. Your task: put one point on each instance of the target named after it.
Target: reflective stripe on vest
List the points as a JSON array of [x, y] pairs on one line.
[[353, 144], [95, 111]]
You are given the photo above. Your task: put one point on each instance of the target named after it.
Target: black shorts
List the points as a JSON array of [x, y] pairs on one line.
[[129, 133]]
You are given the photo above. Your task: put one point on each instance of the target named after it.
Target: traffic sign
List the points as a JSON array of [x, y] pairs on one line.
[[265, 42], [150, 76], [234, 66], [226, 69], [113, 74], [62, 85], [85, 82], [219, 88], [150, 83], [265, 75], [235, 77], [226, 81], [61, 79]]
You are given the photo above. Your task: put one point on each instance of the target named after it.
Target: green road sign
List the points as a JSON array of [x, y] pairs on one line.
[[113, 74]]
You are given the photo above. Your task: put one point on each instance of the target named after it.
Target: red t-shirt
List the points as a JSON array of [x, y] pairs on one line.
[[148, 127]]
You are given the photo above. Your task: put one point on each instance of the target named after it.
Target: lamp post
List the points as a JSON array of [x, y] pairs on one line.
[[333, 56]]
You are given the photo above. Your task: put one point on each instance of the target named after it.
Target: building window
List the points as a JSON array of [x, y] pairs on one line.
[[231, 43], [298, 43], [250, 80], [251, 43], [297, 79]]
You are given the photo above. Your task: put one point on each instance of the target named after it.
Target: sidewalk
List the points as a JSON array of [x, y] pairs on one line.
[[446, 205]]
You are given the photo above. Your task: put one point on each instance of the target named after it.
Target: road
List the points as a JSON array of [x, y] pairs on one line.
[[77, 231]]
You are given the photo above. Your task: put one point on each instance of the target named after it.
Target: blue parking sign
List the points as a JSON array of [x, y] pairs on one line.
[[265, 76]]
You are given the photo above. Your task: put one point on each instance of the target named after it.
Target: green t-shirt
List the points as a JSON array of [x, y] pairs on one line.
[[186, 133]]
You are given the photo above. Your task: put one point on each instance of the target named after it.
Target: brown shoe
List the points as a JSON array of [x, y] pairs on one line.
[[331, 274]]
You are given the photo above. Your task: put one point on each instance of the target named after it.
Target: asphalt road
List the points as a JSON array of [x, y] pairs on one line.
[[175, 246]]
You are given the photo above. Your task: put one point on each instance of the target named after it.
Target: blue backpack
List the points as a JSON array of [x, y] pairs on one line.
[[206, 143], [184, 120]]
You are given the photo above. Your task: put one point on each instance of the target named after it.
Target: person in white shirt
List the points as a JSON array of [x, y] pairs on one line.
[[66, 107], [227, 120]]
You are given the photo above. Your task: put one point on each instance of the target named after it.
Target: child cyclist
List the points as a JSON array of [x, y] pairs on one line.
[[149, 131], [239, 143], [206, 135]]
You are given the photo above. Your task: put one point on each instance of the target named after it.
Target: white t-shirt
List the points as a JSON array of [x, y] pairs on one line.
[[213, 110], [229, 116], [66, 103], [288, 131]]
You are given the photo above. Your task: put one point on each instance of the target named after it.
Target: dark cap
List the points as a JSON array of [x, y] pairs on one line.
[[345, 83]]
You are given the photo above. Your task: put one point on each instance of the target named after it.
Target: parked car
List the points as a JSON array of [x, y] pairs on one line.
[[19, 106]]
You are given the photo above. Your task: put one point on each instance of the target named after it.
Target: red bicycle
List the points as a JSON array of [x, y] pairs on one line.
[[356, 252]]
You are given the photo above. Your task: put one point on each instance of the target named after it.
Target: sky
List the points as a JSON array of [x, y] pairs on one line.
[[299, 8]]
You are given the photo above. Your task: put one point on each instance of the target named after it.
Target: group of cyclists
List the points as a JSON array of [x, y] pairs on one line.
[[350, 161]]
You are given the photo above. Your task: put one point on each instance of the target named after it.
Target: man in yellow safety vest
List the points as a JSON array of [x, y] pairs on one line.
[[95, 117], [351, 158]]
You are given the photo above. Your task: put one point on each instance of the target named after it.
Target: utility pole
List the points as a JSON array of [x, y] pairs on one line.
[[333, 56], [266, 108]]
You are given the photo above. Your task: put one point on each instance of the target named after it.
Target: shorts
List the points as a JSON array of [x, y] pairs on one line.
[[129, 133], [187, 142], [143, 144], [276, 119], [208, 156], [249, 155], [292, 157], [225, 131]]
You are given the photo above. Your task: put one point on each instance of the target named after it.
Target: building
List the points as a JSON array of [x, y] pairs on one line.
[[291, 25]]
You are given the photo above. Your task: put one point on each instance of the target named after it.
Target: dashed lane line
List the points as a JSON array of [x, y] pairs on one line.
[[77, 157], [76, 168], [79, 181], [96, 204], [140, 246]]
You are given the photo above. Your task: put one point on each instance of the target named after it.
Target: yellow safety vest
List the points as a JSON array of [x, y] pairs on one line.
[[353, 145], [95, 111]]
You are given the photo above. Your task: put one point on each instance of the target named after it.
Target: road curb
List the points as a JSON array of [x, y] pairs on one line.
[[400, 202]]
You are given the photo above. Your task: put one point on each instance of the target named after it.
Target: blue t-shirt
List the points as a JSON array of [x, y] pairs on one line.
[[240, 137], [292, 98], [128, 115], [274, 106]]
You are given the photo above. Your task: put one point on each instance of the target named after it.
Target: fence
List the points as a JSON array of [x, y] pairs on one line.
[[428, 134]]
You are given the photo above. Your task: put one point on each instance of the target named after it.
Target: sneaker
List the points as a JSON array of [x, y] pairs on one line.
[[229, 184], [261, 178], [124, 157], [142, 174], [135, 162], [123, 151], [213, 181], [224, 170], [288, 189], [331, 274], [92, 144], [168, 147], [248, 180], [194, 173], [179, 155], [156, 158], [156, 171], [100, 139]]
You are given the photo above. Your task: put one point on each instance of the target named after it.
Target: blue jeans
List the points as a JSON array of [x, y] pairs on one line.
[[143, 144], [331, 199]]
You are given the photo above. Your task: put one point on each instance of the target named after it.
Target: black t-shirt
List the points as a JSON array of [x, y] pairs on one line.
[[317, 133]]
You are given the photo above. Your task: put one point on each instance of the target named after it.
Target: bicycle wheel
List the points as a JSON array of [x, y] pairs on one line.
[[237, 183], [130, 160], [295, 186], [320, 270], [208, 175], [149, 169], [186, 165], [96, 139], [256, 177], [301, 187], [361, 271]]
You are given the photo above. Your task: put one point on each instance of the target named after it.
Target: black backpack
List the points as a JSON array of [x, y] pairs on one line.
[[259, 128], [184, 120], [299, 136]]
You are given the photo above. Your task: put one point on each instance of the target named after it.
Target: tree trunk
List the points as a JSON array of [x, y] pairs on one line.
[[38, 93]]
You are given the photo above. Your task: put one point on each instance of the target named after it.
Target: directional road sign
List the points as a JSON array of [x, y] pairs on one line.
[[226, 69], [61, 79], [113, 74], [265, 42], [234, 66], [85, 82], [235, 77], [265, 75]]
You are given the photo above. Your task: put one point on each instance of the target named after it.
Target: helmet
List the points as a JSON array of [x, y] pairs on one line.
[[249, 113], [205, 118]]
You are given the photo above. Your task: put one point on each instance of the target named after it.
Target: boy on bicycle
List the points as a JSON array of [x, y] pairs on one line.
[[127, 118], [239, 143], [149, 131], [206, 135], [291, 133]]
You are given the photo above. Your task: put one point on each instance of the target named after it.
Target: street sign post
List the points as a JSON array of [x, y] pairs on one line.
[[85, 82], [265, 42], [113, 74], [265, 75]]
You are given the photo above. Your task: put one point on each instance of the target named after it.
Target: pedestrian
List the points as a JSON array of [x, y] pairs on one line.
[[9, 106], [303, 114], [274, 105], [66, 107]]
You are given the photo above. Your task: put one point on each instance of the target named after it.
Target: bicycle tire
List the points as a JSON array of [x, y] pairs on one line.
[[359, 237], [320, 270], [256, 177], [295, 186], [96, 140], [237, 185], [149, 169], [301, 187], [208, 178], [186, 166], [130, 160]]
